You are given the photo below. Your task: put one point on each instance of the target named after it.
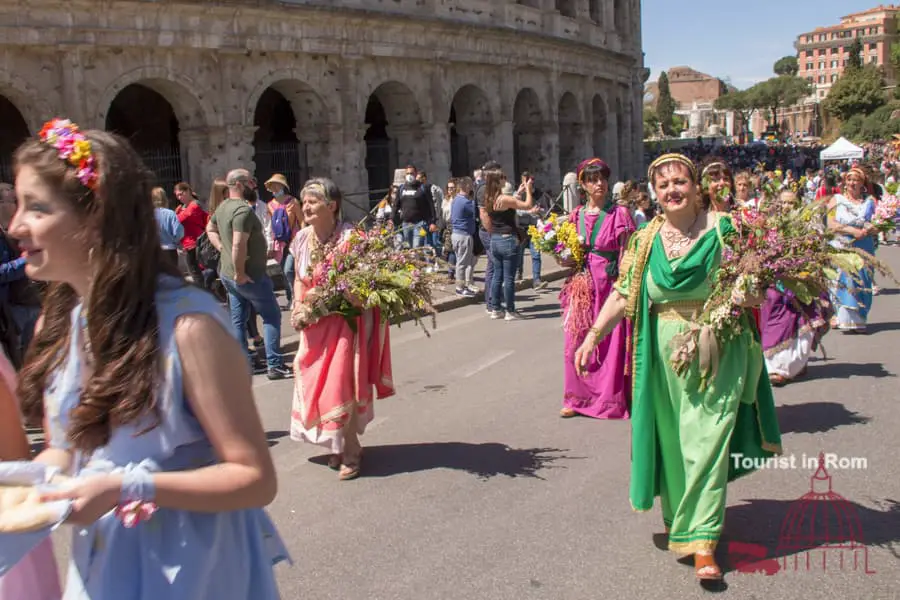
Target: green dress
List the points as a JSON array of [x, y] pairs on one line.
[[687, 439]]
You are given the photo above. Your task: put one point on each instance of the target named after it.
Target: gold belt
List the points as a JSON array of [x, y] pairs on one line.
[[680, 310]]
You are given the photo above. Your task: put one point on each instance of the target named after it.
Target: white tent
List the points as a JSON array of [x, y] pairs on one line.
[[842, 149]]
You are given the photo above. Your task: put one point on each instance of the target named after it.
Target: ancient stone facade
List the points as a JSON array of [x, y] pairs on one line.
[[345, 88]]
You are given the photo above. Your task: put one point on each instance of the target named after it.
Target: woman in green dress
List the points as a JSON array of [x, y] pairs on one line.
[[688, 440]]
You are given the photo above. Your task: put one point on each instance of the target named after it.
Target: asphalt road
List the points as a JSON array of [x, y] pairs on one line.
[[473, 487]]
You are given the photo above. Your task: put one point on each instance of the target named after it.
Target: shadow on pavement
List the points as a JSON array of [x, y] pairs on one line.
[[482, 460], [816, 417], [879, 327], [819, 531], [831, 370], [274, 436], [541, 311]]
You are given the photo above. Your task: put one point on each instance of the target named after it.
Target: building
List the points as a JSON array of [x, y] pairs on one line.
[[695, 95], [346, 88], [823, 53]]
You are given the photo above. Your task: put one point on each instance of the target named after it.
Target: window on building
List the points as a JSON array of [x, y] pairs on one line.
[[809, 66], [873, 59], [834, 77], [834, 64], [821, 79], [822, 64], [835, 50], [821, 51], [809, 79], [809, 53], [873, 47]]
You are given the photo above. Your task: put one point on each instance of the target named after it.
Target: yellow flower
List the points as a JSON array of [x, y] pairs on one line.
[[80, 150]]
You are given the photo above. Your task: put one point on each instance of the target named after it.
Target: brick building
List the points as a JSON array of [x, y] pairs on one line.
[[695, 94], [823, 53]]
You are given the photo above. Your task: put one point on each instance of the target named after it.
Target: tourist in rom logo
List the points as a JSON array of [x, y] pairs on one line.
[[683, 433]]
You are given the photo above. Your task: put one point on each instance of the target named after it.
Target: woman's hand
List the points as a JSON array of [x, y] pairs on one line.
[[567, 263], [584, 352], [92, 497]]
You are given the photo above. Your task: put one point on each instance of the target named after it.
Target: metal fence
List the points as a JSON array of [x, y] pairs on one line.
[[6, 172], [166, 164], [287, 158]]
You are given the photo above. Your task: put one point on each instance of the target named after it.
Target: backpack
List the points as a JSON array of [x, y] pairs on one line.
[[281, 225], [209, 256]]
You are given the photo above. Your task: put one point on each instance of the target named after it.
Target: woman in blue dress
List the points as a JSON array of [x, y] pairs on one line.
[[852, 221], [145, 395]]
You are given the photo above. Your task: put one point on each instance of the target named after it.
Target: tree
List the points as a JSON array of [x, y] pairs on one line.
[[858, 91], [786, 65], [739, 102], [665, 105], [778, 92], [651, 124], [855, 61]]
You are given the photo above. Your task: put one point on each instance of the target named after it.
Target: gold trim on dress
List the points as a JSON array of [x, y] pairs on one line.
[[693, 547], [680, 310]]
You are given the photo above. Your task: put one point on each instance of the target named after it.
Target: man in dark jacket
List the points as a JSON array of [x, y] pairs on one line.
[[414, 210]]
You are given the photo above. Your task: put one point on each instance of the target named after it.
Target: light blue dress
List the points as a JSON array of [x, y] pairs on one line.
[[852, 296], [177, 555]]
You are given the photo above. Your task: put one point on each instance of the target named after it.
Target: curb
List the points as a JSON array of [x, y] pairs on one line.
[[455, 301]]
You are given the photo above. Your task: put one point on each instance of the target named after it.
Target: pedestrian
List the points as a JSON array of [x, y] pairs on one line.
[[683, 434], [145, 393], [236, 231], [339, 369]]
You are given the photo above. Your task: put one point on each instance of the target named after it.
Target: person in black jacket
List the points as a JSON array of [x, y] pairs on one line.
[[414, 210]]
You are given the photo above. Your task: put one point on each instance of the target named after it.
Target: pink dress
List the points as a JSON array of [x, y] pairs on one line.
[[603, 392], [337, 371], [35, 577]]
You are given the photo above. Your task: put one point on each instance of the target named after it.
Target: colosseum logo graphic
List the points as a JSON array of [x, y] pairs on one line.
[[821, 532]]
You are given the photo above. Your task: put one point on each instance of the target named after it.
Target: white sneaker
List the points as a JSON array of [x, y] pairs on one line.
[[496, 314], [513, 316]]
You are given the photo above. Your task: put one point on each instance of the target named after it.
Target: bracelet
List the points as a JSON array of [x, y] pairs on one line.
[[136, 497]]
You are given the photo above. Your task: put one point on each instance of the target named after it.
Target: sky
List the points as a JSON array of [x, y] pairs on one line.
[[735, 40]]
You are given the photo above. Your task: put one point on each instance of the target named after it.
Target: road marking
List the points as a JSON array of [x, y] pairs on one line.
[[481, 367]]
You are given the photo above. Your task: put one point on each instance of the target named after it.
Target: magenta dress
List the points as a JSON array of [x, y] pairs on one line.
[[603, 392]]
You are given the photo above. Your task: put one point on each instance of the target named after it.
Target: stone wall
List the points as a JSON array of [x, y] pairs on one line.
[[526, 85]]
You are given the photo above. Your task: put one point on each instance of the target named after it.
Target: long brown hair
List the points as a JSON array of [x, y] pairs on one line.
[[122, 324], [493, 188], [218, 191]]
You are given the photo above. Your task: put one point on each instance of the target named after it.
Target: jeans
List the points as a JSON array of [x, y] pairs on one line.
[[504, 249], [259, 294], [437, 241], [287, 267], [535, 261], [489, 269], [412, 234]]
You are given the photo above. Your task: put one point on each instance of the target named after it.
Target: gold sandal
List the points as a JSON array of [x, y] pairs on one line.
[[705, 567], [334, 462], [350, 469], [567, 413]]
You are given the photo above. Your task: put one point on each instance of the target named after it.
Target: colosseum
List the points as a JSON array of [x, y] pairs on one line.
[[348, 88]]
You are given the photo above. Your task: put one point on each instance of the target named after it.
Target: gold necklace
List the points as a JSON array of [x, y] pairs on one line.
[[677, 243]]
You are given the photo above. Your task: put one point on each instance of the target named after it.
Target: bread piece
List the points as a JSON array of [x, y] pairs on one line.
[[22, 511]]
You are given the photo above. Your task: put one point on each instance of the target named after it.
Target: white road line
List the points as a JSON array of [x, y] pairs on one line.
[[490, 363]]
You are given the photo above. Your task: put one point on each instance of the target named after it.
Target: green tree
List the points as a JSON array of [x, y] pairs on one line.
[[651, 123], [859, 91], [665, 104], [778, 92], [855, 61], [741, 103], [786, 65]]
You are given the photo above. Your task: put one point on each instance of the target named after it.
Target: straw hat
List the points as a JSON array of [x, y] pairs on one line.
[[278, 178]]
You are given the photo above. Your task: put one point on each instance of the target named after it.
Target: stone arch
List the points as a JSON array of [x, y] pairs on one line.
[[14, 131], [393, 134], [290, 137], [566, 8], [600, 121], [304, 98], [191, 106], [528, 138], [571, 129], [471, 126], [31, 104]]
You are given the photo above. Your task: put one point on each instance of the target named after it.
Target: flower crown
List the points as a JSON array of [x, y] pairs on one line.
[[73, 147]]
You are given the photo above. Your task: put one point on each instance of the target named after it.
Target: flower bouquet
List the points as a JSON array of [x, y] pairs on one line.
[[366, 271], [789, 246], [886, 214], [559, 237]]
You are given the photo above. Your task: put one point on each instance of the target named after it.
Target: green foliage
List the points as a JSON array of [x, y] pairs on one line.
[[787, 65], [665, 105], [858, 91], [874, 127], [651, 123], [777, 92], [855, 61]]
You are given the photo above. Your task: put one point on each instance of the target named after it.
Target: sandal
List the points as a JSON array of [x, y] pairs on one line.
[[350, 469], [567, 413], [706, 568], [777, 380], [334, 462]]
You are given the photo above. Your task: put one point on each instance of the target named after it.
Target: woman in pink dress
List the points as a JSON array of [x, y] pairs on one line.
[[603, 391], [338, 371], [35, 577]]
